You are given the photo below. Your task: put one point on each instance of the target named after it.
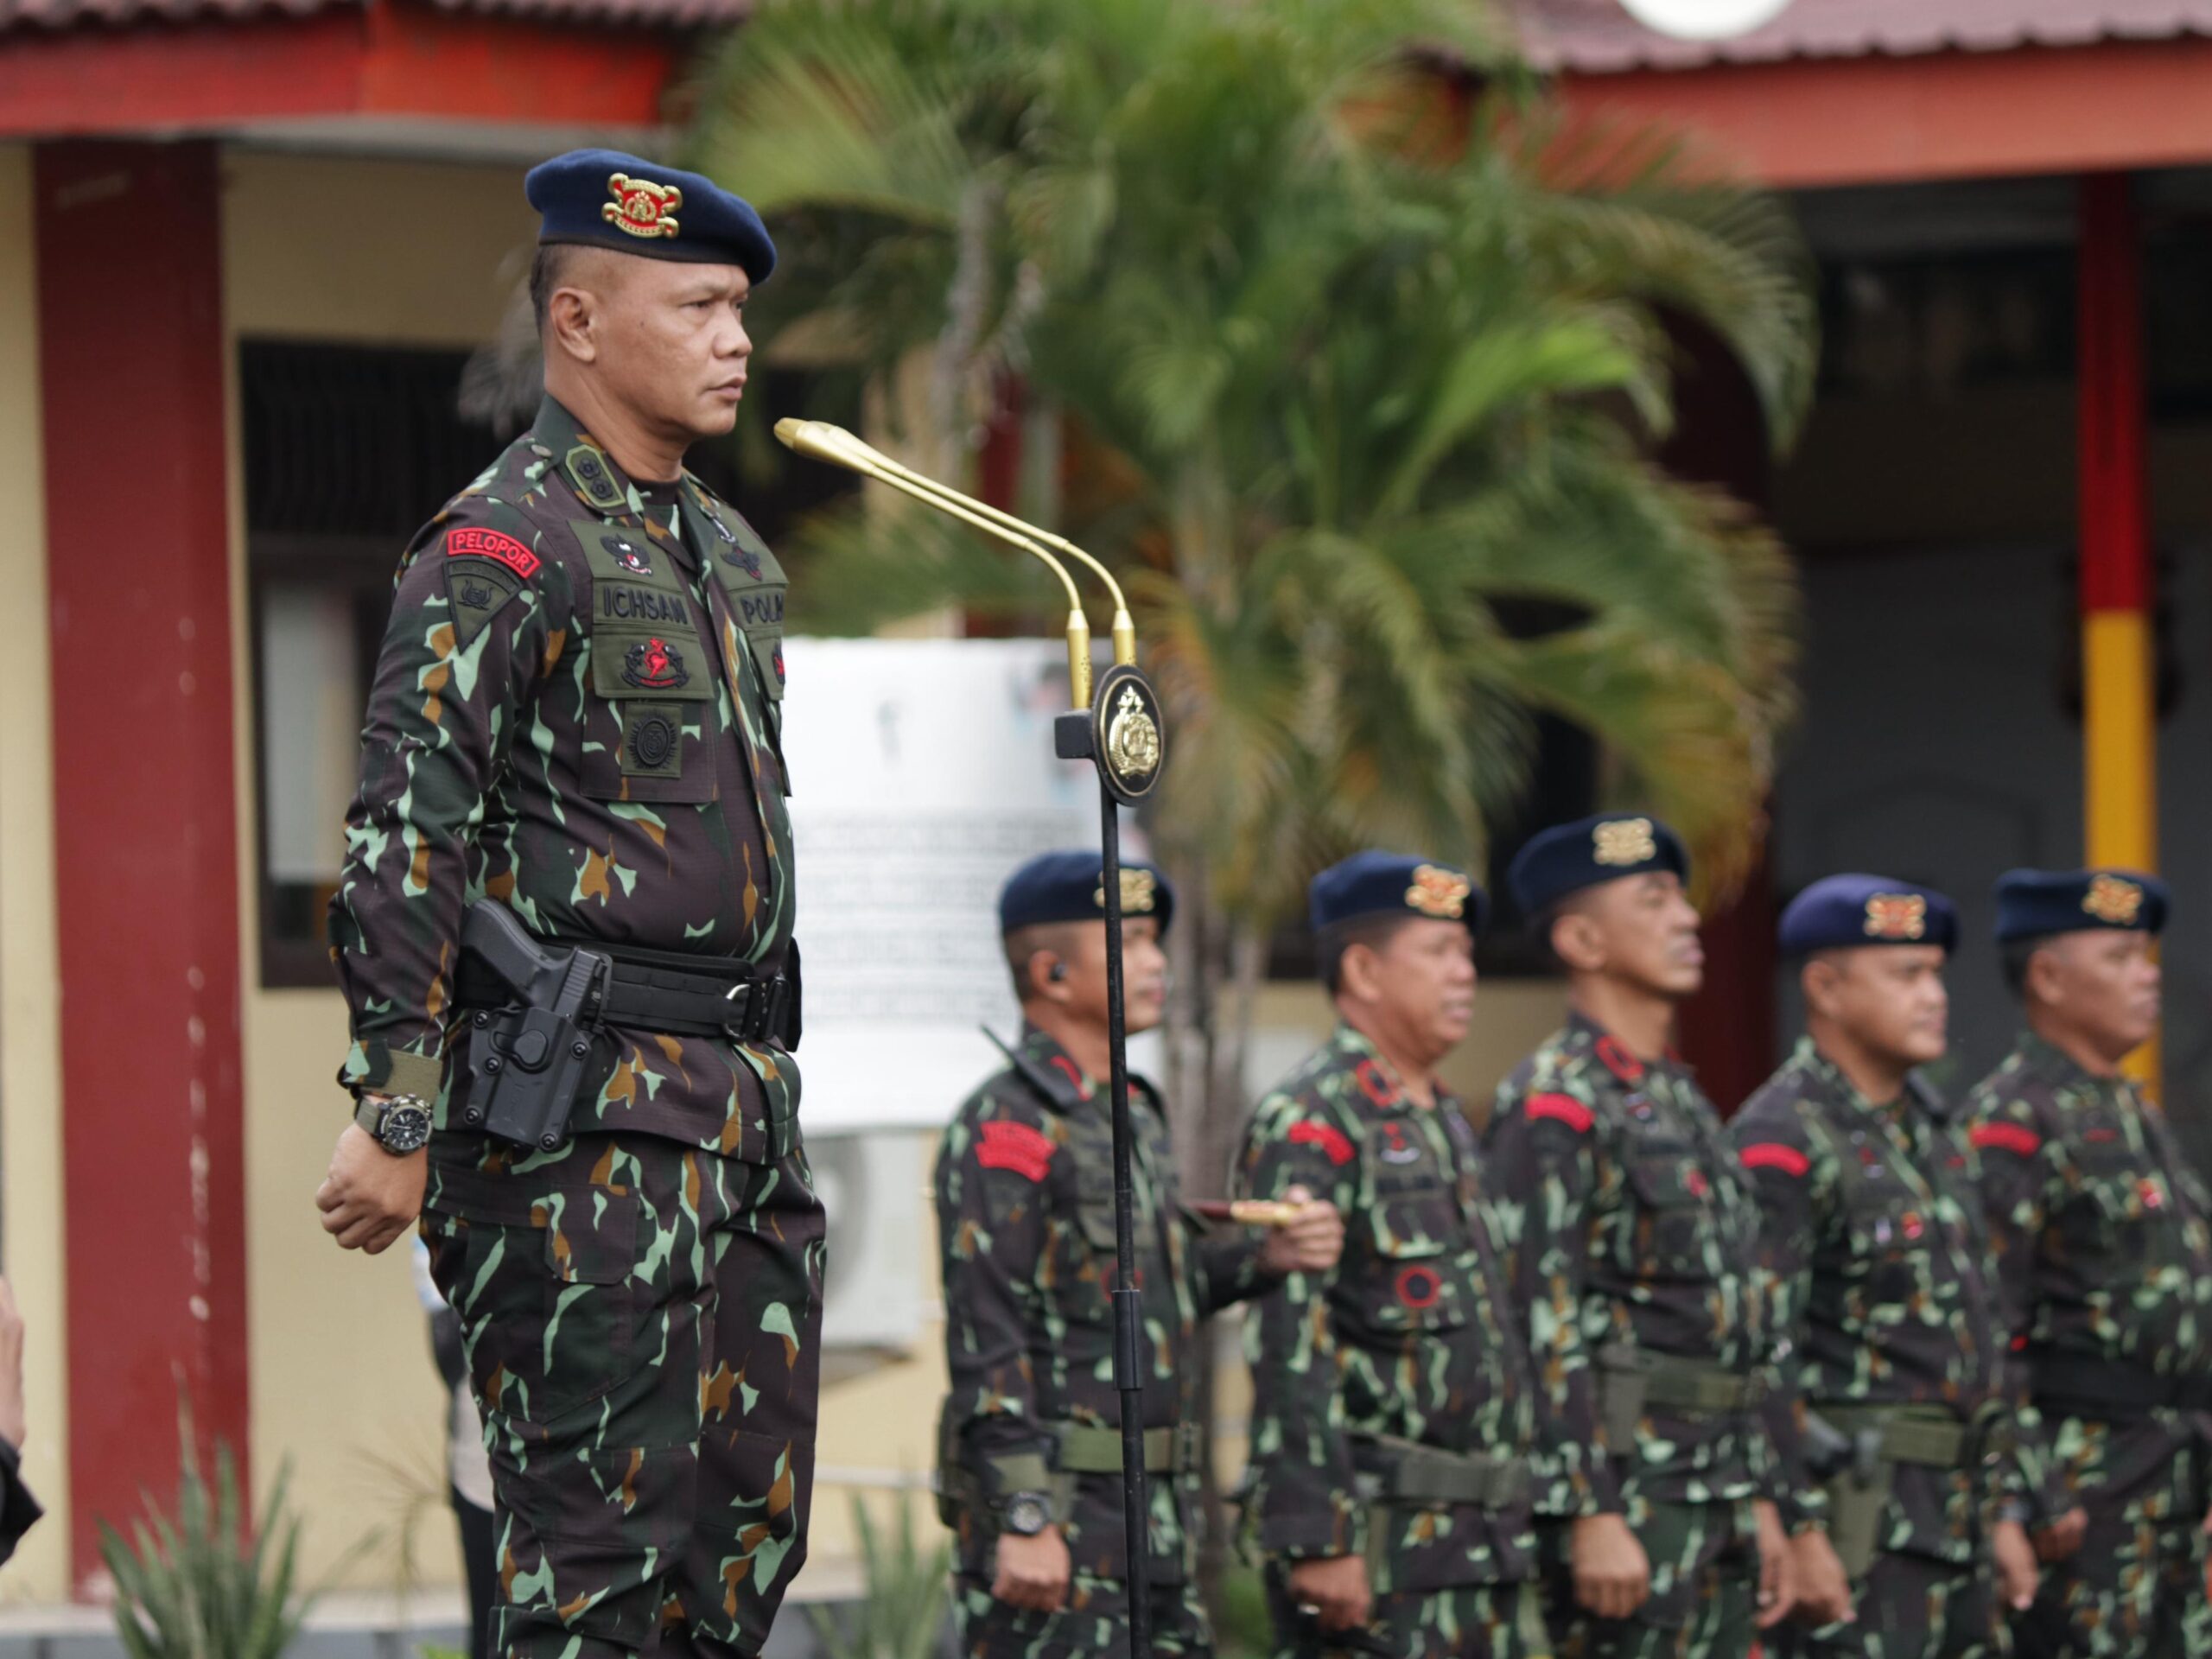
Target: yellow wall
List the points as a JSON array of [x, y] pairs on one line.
[[412, 254], [30, 1053]]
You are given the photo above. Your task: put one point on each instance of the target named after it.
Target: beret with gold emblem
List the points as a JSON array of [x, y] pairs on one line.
[[1394, 884], [2036, 903], [1569, 857], [607, 199], [1841, 913], [1071, 888]]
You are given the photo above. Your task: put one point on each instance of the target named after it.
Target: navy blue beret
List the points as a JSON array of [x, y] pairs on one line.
[[1842, 911], [1071, 888], [2035, 904], [612, 201], [1392, 884], [1569, 857]]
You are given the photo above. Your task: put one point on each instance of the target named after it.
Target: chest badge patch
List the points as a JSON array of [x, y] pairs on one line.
[[1396, 1147], [655, 665], [641, 207], [1419, 1287], [628, 554], [2149, 1190]]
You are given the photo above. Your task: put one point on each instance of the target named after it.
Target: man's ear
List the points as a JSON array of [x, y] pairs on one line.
[[570, 318], [2045, 979], [1577, 941], [1048, 975], [1817, 979], [1358, 972]]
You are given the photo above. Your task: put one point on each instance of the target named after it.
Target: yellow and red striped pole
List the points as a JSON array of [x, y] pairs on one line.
[[2120, 736]]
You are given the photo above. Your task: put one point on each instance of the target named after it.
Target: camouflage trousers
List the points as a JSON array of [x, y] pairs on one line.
[[1466, 1621], [1095, 1620], [642, 1322], [2136, 1585], [1910, 1607], [1705, 1584]]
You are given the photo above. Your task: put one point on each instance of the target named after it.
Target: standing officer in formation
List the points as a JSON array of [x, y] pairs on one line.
[[1031, 1470], [1633, 1235], [2105, 1270], [573, 735], [1394, 1407], [1891, 1348]]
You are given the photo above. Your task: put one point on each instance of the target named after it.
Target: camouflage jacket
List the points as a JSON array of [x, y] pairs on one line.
[[1413, 1336], [2099, 1231], [1025, 1202], [1874, 1249], [575, 712], [1627, 1220]]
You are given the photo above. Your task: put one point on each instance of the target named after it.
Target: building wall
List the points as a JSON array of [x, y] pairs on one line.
[[31, 1062]]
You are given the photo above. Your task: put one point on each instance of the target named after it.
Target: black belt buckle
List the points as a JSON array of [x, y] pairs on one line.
[[754, 1009]]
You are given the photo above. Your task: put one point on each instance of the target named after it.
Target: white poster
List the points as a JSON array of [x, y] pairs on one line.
[[922, 772]]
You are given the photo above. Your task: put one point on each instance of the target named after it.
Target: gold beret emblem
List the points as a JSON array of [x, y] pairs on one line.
[[1896, 916], [1437, 892], [1139, 893], [640, 206], [1621, 842], [2113, 900]]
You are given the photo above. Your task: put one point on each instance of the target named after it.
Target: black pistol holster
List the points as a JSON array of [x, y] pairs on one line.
[[538, 1005]]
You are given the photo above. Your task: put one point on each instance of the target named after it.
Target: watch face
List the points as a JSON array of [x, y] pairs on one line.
[[406, 1128], [1025, 1514]]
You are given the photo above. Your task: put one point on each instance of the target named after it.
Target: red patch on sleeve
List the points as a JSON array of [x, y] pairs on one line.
[[1564, 1109], [470, 541], [2009, 1137], [1027, 1152], [1772, 1154], [1328, 1136], [1618, 1061]]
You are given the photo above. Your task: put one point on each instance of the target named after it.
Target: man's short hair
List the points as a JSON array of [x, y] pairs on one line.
[[548, 269], [2012, 958], [1021, 944], [1374, 931]]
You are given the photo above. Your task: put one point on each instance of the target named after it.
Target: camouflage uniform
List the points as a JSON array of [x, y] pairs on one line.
[[576, 714], [1410, 1349], [1025, 1195], [2104, 1267], [1874, 1247], [1632, 1234]]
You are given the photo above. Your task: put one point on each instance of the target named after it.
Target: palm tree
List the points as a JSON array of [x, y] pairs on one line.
[[1358, 373]]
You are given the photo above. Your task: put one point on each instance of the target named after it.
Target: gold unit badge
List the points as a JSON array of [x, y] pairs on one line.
[[1621, 842], [1896, 916], [1131, 739], [1437, 892], [2113, 900], [641, 207], [1139, 892]]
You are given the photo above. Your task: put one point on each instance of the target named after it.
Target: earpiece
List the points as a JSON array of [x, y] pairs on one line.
[[1057, 973]]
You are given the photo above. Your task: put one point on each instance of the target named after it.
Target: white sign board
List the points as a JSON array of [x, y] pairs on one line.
[[922, 773], [1704, 20]]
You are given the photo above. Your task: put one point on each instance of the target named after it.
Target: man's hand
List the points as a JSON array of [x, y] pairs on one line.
[[12, 1427], [1032, 1572], [1777, 1576], [2062, 1536], [1309, 1242], [1612, 1575], [370, 1197], [1335, 1587], [1823, 1590], [2016, 1565]]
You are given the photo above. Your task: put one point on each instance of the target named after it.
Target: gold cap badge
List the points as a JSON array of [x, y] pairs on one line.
[[1896, 916], [1441, 894], [1620, 841], [2113, 900], [1139, 892], [640, 206]]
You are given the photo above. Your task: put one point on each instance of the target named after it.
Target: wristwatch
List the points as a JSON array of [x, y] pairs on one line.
[[1025, 1514], [398, 1123]]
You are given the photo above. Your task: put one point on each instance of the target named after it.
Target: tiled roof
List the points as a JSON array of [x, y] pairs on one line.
[[651, 14], [1598, 37]]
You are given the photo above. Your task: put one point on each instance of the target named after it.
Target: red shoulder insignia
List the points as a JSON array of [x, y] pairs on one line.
[[1374, 1084], [1772, 1154], [1006, 1145], [2008, 1137], [1563, 1109], [1618, 1061], [1332, 1139], [471, 541]]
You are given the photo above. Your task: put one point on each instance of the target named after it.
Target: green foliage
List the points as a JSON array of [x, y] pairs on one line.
[[199, 1583], [440, 1653], [1361, 375], [902, 1608]]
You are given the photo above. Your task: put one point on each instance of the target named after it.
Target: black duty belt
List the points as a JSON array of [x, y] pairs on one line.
[[2100, 1390], [662, 991]]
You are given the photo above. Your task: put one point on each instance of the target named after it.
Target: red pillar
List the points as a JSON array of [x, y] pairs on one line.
[[131, 344]]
